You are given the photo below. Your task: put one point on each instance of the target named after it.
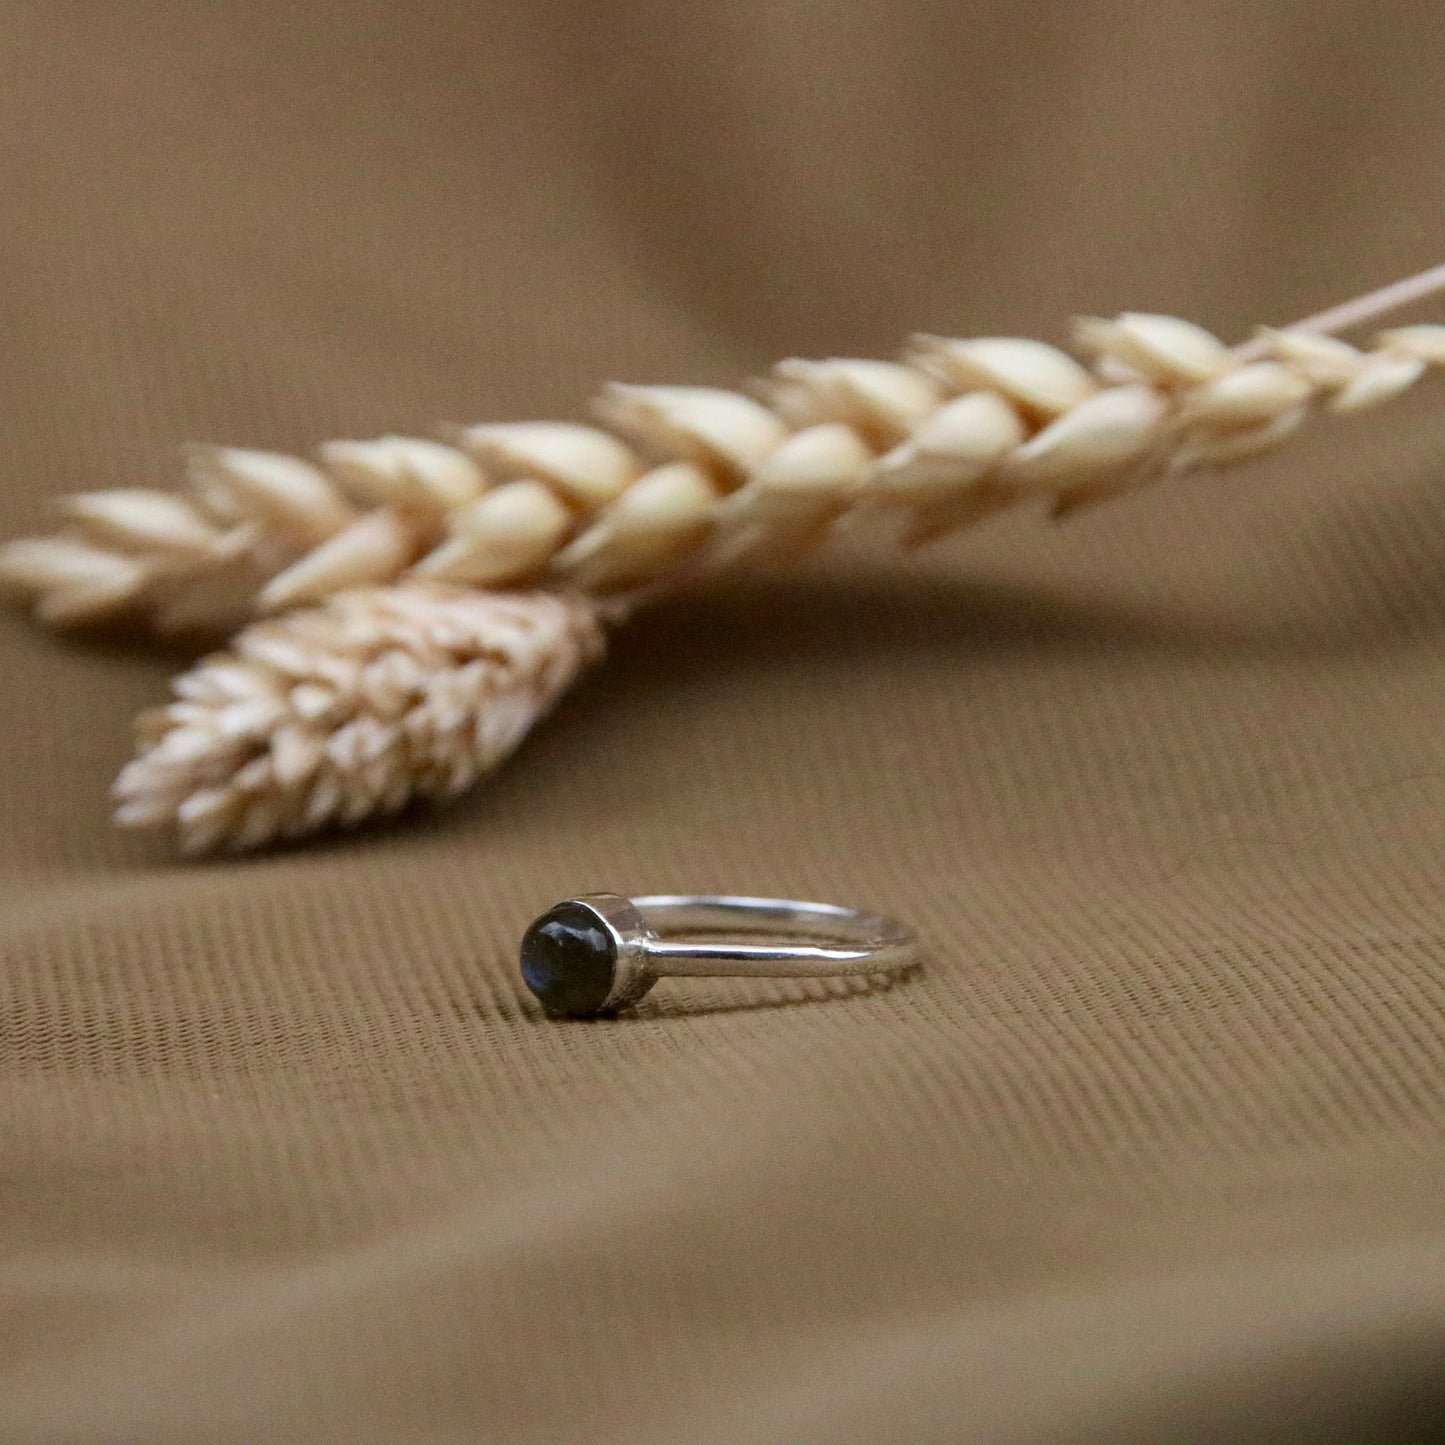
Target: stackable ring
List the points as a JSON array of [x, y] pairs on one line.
[[600, 953]]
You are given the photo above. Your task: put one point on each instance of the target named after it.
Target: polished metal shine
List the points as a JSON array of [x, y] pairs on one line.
[[693, 935]]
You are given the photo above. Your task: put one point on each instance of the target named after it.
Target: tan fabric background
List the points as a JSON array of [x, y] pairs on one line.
[[1152, 1148]]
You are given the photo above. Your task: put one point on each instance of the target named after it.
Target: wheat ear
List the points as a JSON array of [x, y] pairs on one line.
[[349, 710], [383, 693], [688, 477]]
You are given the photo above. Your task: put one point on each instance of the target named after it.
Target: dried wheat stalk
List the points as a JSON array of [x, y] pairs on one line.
[[341, 712], [385, 692], [688, 477]]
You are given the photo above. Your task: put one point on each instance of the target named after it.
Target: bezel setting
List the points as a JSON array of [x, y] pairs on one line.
[[624, 936]]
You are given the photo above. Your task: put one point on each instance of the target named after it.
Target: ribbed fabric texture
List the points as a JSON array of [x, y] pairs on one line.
[[1152, 1147]]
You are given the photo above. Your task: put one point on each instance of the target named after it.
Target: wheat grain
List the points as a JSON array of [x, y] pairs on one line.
[[688, 477], [337, 713]]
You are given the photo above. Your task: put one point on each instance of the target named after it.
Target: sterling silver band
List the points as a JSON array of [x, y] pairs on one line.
[[877, 944], [601, 952]]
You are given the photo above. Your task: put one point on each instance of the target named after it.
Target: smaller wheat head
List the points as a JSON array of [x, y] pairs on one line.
[[341, 712]]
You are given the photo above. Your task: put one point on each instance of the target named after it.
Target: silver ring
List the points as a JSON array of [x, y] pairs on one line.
[[601, 952]]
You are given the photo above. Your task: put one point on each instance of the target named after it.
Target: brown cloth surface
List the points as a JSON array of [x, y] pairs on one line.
[[1150, 1150]]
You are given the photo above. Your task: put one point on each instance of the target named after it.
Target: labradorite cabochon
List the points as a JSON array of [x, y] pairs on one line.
[[568, 960]]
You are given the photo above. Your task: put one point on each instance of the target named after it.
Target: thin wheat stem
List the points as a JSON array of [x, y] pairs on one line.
[[1359, 310]]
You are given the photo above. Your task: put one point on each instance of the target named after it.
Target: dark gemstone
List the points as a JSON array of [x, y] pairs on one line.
[[568, 959]]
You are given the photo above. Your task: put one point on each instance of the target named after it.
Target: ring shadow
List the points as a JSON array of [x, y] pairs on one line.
[[718, 997]]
